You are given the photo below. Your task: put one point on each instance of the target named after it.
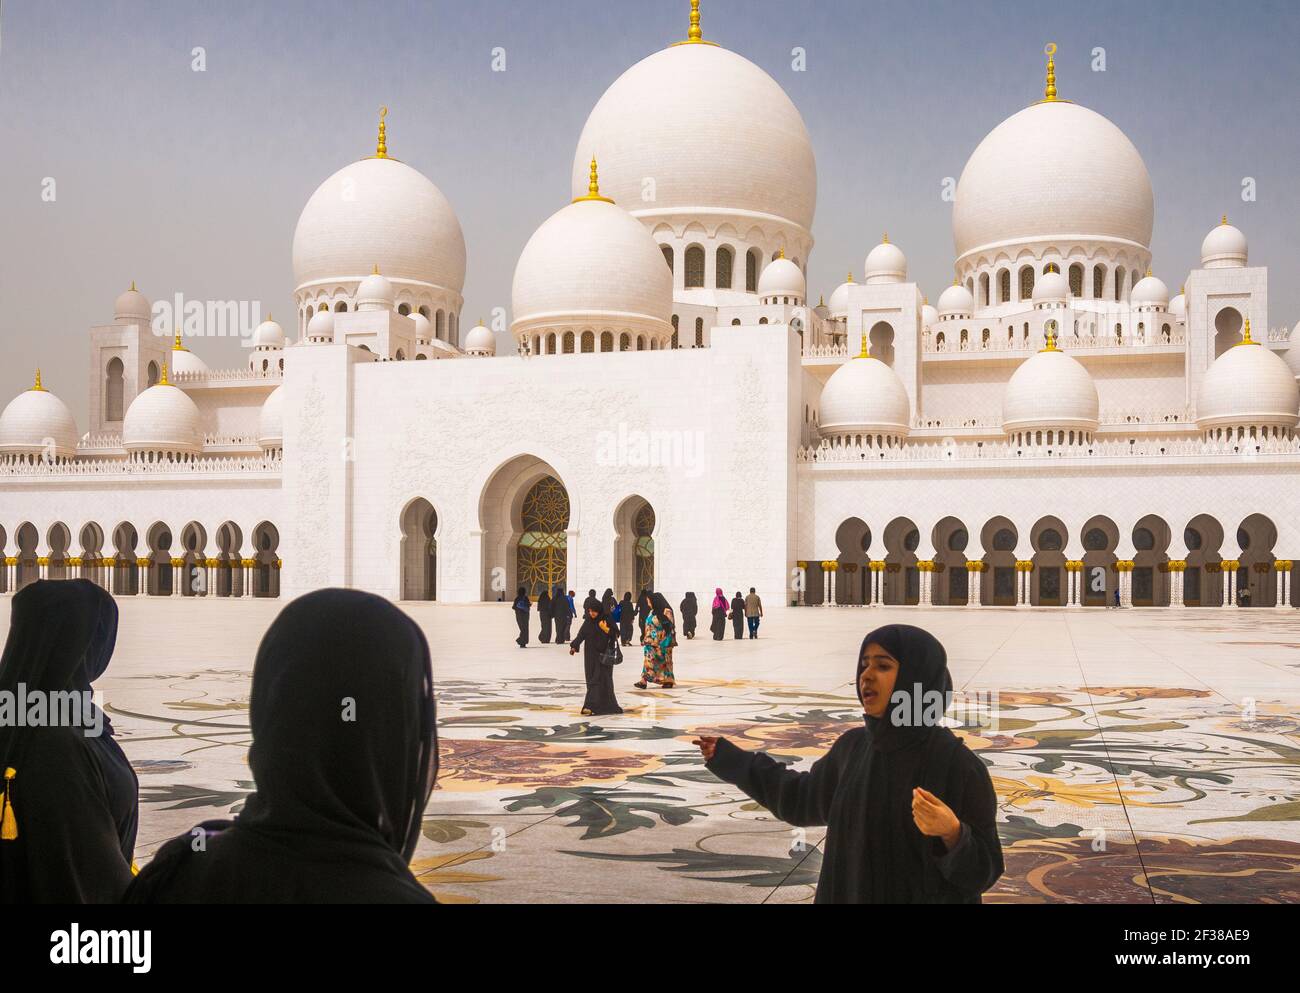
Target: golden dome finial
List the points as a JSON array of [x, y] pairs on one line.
[[1245, 335], [885, 239], [381, 147], [133, 289], [1050, 328], [1149, 272], [821, 299], [373, 272], [695, 36], [38, 388], [781, 252], [162, 380], [866, 351], [1049, 92], [593, 187], [850, 279], [176, 344]]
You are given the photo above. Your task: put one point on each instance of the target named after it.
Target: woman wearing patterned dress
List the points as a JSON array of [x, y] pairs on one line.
[[660, 637]]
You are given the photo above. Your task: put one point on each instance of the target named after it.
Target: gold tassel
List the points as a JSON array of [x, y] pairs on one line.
[[8, 822]]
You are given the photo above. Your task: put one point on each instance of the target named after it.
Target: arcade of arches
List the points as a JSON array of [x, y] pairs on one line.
[[126, 562], [1009, 569]]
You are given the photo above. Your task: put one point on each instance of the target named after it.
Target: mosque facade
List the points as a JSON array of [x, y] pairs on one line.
[[1058, 429]]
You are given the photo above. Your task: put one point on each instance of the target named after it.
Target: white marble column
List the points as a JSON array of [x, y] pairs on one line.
[[178, 575], [1230, 583], [925, 570], [1176, 568], [246, 574]]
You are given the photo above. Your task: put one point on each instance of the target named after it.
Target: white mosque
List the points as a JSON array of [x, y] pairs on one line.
[[1058, 429]]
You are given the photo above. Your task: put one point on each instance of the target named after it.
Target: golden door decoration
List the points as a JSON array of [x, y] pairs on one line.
[[644, 528], [544, 544]]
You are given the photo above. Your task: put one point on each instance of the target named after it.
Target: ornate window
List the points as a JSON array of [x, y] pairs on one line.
[[644, 528], [1119, 283], [1076, 280], [694, 267], [1098, 281], [1095, 540], [726, 259], [543, 546], [588, 342], [699, 332], [1026, 282], [568, 342], [1004, 286], [751, 271], [607, 341], [1004, 541]]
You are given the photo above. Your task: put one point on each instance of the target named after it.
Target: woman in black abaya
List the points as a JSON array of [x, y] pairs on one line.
[[344, 755], [563, 615], [522, 606], [596, 634], [690, 608], [626, 618], [608, 602], [910, 811], [737, 615], [69, 805], [643, 610], [718, 609], [545, 614]]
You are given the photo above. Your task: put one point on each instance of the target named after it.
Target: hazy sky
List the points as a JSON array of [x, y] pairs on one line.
[[192, 182]]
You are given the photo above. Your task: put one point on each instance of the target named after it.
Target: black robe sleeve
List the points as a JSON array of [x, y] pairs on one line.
[[802, 799], [974, 864], [583, 634]]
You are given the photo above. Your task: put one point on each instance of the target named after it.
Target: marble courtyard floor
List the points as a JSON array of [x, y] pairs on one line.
[[1139, 755]]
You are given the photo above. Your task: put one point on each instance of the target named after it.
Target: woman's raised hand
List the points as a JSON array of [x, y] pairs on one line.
[[934, 818], [708, 745]]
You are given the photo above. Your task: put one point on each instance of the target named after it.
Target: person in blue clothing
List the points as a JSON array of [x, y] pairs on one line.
[[522, 606]]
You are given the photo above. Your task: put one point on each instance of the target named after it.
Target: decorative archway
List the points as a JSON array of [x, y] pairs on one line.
[[158, 573], [126, 573], [902, 580], [266, 559], [1256, 536], [1203, 575], [951, 581], [194, 572], [634, 546], [1049, 585], [1100, 537], [1151, 586], [419, 553], [853, 577], [999, 539], [524, 513]]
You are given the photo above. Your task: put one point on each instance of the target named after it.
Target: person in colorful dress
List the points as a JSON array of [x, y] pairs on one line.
[[660, 638]]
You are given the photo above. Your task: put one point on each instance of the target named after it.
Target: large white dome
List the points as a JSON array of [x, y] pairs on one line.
[[1054, 171], [379, 212], [1248, 385], [781, 277], [1050, 390], [162, 419], [715, 132], [1224, 247], [885, 263], [34, 419], [864, 396], [592, 262]]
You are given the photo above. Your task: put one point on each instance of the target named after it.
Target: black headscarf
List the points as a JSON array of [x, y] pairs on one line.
[[660, 607], [560, 603], [73, 792], [922, 662], [608, 601], [543, 602], [344, 755], [521, 600], [591, 603]]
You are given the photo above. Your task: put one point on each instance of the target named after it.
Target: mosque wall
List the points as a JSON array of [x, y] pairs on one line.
[[706, 436]]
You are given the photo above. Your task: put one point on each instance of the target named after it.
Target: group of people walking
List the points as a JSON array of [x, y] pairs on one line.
[[740, 610], [344, 758]]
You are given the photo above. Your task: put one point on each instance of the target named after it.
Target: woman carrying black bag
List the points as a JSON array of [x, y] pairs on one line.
[[599, 640]]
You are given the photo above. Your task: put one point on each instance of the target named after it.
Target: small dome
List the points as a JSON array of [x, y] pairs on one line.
[[1178, 306], [839, 305], [1224, 247], [1248, 385], [592, 261], [1150, 291], [956, 301], [480, 340], [885, 263], [321, 326], [864, 396], [34, 419], [183, 360], [928, 315], [268, 334], [782, 278], [270, 430], [1051, 287], [375, 292], [162, 419], [423, 329], [1050, 390], [131, 307]]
